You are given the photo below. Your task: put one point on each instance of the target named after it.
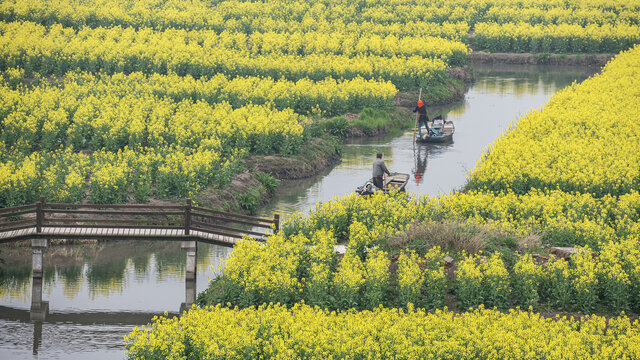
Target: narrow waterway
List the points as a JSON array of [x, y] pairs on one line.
[[499, 96], [92, 295]]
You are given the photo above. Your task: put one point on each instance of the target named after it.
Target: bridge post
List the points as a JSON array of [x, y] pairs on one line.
[[191, 248], [39, 214], [276, 222], [38, 246], [187, 217]]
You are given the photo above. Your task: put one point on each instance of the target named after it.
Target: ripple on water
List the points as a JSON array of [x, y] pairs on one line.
[[61, 340]]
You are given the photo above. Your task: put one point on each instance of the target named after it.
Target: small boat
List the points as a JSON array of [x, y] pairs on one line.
[[441, 131], [393, 182]]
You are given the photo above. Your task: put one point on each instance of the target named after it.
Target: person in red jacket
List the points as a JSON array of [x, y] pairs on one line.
[[423, 117]]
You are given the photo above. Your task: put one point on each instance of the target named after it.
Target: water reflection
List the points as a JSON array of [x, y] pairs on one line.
[[73, 278], [38, 312], [421, 154], [95, 294], [512, 83], [103, 271], [420, 159], [106, 278], [15, 281]]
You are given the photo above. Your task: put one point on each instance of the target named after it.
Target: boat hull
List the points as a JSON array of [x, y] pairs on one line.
[[444, 133], [434, 139], [394, 182]]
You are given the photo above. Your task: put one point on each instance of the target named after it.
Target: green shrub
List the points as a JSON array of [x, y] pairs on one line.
[[525, 282], [496, 284], [249, 201], [557, 283], [469, 283], [320, 273], [268, 181], [435, 281], [585, 281], [338, 126]]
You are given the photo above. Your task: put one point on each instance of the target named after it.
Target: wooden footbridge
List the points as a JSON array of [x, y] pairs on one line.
[[41, 222], [130, 222]]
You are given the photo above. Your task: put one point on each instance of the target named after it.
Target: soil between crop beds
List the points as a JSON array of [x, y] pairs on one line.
[[481, 57], [316, 155]]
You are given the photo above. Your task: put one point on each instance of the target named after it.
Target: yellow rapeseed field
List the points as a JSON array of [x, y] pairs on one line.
[[304, 332]]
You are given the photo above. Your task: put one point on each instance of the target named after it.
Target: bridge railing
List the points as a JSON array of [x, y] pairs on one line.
[[18, 217], [221, 223], [187, 219]]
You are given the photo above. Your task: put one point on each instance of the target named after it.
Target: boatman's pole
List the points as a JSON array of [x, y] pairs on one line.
[[415, 126]]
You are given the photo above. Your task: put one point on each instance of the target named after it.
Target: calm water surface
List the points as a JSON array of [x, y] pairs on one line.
[[499, 97], [93, 295]]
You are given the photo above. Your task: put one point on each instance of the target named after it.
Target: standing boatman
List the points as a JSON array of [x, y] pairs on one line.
[[379, 169], [423, 118]]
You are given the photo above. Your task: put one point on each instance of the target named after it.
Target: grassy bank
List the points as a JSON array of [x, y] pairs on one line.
[[257, 177]]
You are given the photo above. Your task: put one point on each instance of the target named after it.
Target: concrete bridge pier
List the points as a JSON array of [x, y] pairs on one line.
[[191, 247], [38, 246], [189, 294]]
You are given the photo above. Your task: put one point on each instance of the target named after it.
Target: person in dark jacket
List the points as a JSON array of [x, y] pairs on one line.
[[423, 117], [379, 169]]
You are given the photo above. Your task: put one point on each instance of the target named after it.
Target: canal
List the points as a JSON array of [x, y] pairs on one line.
[[92, 295], [500, 95]]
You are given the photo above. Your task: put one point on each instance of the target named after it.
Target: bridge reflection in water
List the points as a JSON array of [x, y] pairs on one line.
[[39, 312], [89, 296]]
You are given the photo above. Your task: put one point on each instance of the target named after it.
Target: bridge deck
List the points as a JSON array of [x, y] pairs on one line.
[[114, 233]]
